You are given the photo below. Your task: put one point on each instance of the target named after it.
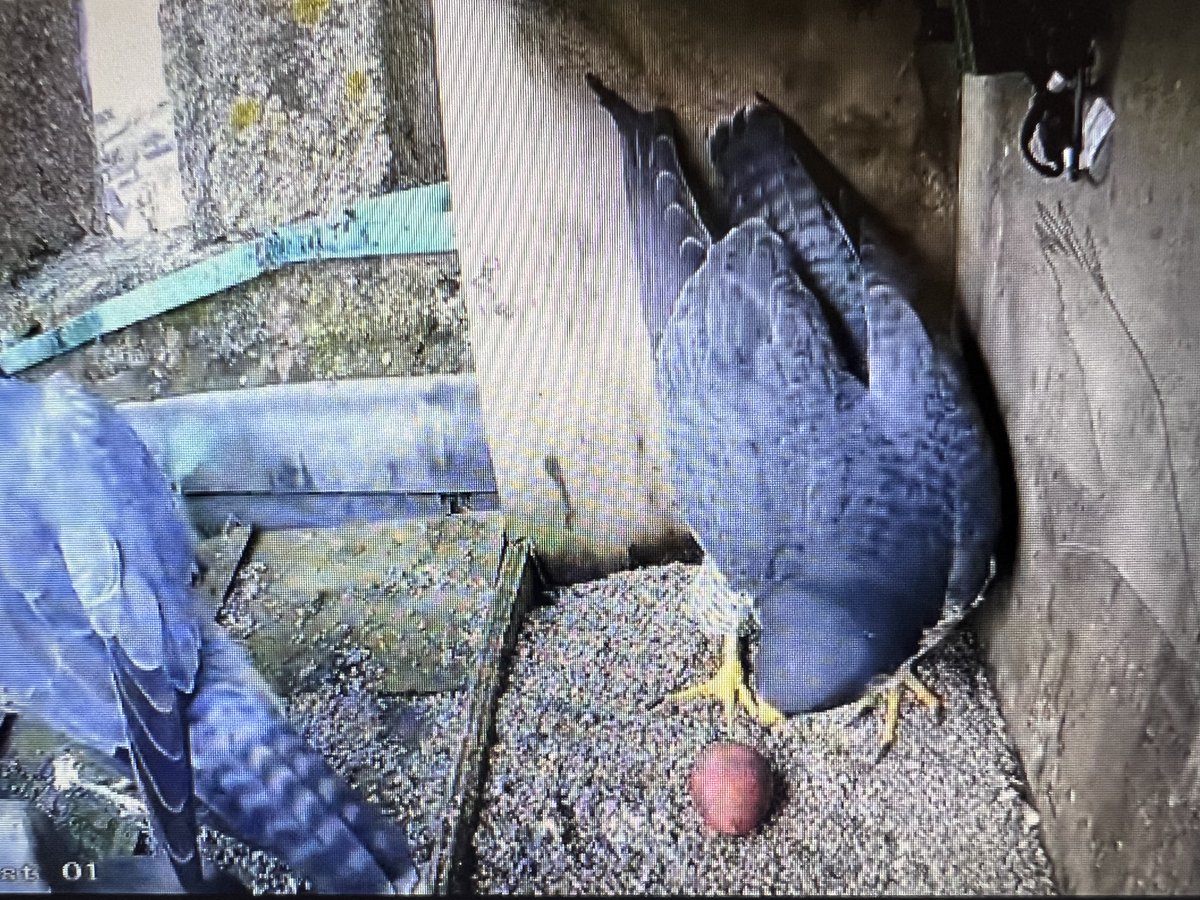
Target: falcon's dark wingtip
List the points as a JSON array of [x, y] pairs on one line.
[[618, 107], [761, 99], [759, 113], [160, 754], [597, 86]]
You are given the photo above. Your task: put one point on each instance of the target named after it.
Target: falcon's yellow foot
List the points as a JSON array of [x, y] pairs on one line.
[[891, 697], [767, 714], [729, 686]]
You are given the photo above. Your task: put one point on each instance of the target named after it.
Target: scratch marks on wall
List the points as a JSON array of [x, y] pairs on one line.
[[1061, 241]]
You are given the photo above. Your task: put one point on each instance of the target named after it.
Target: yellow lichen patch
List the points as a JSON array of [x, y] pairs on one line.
[[309, 12], [356, 86], [246, 111]]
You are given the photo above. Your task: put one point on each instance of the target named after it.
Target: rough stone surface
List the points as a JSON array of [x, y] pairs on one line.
[[414, 116], [48, 175], [542, 229], [1083, 296], [587, 789], [337, 319], [280, 108]]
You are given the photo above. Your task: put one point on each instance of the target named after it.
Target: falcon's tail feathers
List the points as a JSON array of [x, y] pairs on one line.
[[266, 786], [161, 758]]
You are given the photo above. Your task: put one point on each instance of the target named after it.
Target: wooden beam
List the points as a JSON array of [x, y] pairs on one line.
[[516, 588]]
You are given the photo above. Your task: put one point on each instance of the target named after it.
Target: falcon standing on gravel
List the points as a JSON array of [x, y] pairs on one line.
[[103, 638], [829, 457]]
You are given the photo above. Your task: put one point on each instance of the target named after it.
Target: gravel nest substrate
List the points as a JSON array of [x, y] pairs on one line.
[[587, 783]]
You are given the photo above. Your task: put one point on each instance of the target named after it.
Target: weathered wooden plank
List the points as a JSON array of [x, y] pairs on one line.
[[420, 435], [1083, 300], [220, 558], [515, 588], [418, 595]]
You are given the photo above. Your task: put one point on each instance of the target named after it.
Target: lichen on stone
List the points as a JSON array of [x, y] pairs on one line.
[[309, 12], [246, 111], [356, 86]]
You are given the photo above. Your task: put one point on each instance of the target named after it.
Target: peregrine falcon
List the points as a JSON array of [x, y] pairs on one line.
[[828, 456], [103, 638]]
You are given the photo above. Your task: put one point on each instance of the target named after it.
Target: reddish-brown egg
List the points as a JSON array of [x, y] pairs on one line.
[[731, 787]]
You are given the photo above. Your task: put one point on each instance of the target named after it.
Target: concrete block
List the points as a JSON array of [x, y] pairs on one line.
[[48, 178], [281, 108], [1083, 299]]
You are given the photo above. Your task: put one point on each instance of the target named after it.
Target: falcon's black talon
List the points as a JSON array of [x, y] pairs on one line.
[[598, 86], [882, 752]]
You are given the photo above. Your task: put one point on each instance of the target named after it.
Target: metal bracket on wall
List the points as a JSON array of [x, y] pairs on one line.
[[1057, 46]]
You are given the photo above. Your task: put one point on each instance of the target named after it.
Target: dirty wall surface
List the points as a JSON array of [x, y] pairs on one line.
[[1083, 297], [44, 112]]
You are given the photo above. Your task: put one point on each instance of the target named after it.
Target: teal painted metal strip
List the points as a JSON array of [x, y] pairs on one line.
[[401, 223], [405, 222], [153, 298]]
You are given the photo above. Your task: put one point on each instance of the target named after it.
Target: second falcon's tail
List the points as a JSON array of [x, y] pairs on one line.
[[266, 786]]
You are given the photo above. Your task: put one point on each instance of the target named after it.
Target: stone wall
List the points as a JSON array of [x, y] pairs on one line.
[[48, 176], [1083, 297], [279, 108], [282, 110]]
